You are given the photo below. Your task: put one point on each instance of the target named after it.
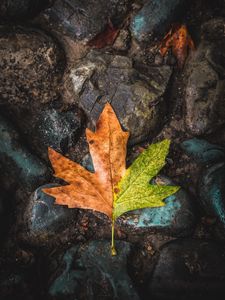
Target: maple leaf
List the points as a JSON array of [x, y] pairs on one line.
[[111, 189], [105, 38], [180, 41]]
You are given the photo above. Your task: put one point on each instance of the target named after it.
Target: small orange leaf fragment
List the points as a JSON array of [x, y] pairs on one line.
[[180, 41], [107, 145]]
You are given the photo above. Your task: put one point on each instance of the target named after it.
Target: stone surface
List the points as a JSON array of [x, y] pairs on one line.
[[45, 222], [49, 127], [32, 65], [59, 130], [212, 192], [135, 92], [188, 269], [20, 9], [204, 93], [203, 151], [155, 18], [90, 272], [18, 165], [176, 218], [78, 20]]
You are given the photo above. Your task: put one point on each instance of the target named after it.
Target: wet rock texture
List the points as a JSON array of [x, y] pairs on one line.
[[54, 84], [155, 17], [136, 92], [44, 221], [79, 20], [204, 98], [83, 270], [31, 66]]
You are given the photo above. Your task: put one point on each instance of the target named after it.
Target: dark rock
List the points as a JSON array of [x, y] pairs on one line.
[[123, 40], [19, 9], [203, 151], [212, 192], [90, 272], [49, 127], [136, 93], [155, 17], [45, 222], [176, 218], [31, 64], [204, 95], [18, 165], [189, 269], [78, 20]]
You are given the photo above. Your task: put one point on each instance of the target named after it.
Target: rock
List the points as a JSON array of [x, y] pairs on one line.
[[90, 272], [49, 127], [204, 92], [59, 130], [19, 9], [176, 218], [18, 165], [78, 20], [123, 41], [32, 65], [44, 222], [155, 18], [135, 92], [188, 269], [203, 151], [212, 192]]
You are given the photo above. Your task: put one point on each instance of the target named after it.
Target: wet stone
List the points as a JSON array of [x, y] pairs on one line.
[[188, 269], [32, 65], [78, 20], [49, 127], [176, 218], [204, 92], [135, 92], [203, 151], [18, 165], [155, 18], [45, 222], [212, 193], [90, 272]]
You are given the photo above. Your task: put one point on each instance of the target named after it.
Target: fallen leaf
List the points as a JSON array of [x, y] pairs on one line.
[[105, 38], [93, 190], [180, 41], [111, 190]]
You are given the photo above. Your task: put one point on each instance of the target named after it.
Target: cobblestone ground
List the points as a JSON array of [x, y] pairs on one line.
[[53, 84]]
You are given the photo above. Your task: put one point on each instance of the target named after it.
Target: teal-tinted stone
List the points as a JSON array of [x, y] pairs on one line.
[[18, 164], [90, 272], [176, 218], [203, 151], [212, 192], [155, 17], [45, 222]]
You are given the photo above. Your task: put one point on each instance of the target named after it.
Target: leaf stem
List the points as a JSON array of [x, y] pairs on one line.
[[113, 249]]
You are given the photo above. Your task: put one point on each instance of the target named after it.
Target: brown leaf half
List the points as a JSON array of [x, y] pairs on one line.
[[93, 190]]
